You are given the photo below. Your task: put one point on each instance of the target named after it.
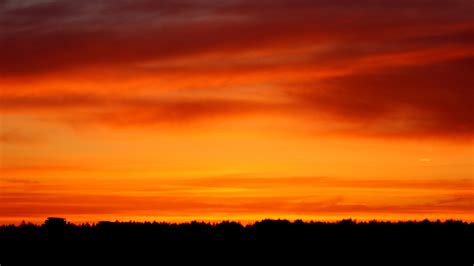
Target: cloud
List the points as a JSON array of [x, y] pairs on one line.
[[432, 99], [61, 35], [189, 199], [371, 68], [16, 137], [131, 111], [320, 182]]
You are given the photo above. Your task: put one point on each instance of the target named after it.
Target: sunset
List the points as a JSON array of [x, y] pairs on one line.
[[214, 110]]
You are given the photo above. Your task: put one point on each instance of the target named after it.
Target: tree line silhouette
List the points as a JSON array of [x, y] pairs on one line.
[[448, 239]]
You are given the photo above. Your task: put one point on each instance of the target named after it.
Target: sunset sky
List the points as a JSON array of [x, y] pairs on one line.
[[180, 110]]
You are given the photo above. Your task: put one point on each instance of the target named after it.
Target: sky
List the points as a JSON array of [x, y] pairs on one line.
[[236, 110]]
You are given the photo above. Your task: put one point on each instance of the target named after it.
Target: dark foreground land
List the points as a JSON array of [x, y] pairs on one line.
[[57, 240]]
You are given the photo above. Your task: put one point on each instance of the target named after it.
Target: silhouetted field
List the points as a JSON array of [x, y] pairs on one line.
[[346, 240]]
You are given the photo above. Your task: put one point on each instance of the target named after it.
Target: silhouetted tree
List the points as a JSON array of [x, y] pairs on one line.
[[425, 239]]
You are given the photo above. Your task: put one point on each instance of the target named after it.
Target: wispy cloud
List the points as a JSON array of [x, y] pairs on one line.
[[378, 68]]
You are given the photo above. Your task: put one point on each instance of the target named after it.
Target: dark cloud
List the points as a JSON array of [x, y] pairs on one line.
[[62, 35], [434, 99]]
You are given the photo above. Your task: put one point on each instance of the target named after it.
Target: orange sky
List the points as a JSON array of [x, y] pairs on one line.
[[243, 110]]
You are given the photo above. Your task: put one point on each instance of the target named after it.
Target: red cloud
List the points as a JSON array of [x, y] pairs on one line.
[[433, 99], [62, 35], [401, 68]]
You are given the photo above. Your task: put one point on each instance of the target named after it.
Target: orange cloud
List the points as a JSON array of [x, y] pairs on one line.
[[132, 111], [16, 137], [258, 196]]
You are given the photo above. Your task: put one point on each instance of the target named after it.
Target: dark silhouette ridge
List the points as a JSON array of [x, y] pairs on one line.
[[275, 238]]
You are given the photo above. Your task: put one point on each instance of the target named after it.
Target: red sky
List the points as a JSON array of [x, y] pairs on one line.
[[242, 110]]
